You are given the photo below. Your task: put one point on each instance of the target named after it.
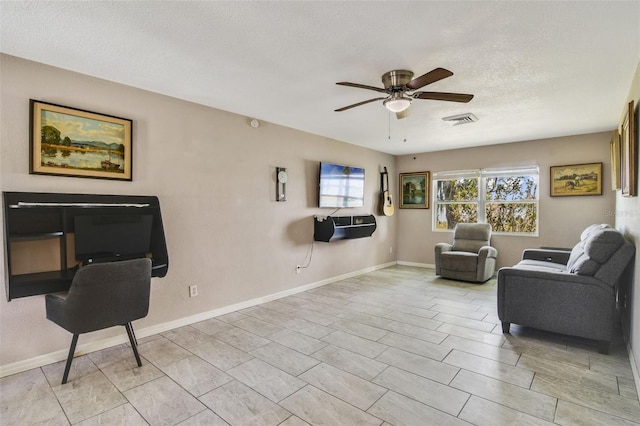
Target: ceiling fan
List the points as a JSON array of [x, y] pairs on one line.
[[401, 90]]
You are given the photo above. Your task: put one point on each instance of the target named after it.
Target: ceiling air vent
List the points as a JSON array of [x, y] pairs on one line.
[[461, 118]]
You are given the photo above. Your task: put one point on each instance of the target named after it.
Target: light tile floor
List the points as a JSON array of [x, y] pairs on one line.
[[398, 346]]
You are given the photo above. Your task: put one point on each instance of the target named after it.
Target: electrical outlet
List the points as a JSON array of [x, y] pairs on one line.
[[193, 290], [391, 249], [298, 268]]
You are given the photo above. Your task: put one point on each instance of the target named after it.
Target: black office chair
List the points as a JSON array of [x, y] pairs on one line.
[[102, 295]]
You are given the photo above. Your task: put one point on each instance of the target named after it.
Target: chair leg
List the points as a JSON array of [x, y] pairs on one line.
[[134, 342], [72, 350], [505, 327]]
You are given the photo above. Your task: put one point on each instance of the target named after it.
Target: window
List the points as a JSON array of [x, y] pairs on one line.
[[456, 198], [505, 198]]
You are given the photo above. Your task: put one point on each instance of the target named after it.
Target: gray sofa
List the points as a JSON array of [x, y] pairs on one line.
[[470, 257], [568, 292]]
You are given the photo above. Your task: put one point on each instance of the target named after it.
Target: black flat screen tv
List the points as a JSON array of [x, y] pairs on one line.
[[341, 186], [112, 237]]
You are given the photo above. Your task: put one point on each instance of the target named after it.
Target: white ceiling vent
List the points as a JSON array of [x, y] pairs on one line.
[[456, 120]]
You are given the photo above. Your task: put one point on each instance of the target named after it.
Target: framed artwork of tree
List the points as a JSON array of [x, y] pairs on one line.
[[414, 190]]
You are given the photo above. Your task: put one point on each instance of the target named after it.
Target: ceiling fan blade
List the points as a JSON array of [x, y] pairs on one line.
[[428, 78], [403, 114], [358, 104], [362, 86], [441, 96]]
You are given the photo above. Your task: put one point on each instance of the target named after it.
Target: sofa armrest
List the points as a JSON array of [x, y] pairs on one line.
[[441, 248], [546, 255]]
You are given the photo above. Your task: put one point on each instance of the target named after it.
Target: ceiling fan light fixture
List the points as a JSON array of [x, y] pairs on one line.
[[397, 103]]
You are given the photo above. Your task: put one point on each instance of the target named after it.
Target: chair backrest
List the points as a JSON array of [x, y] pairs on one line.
[[108, 294], [471, 237]]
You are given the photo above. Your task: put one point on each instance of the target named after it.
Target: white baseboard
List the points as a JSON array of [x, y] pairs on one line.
[[41, 360], [634, 368], [417, 265]]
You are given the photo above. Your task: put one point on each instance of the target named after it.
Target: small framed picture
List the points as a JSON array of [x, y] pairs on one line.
[[414, 190], [73, 142], [576, 179], [628, 165], [615, 160]]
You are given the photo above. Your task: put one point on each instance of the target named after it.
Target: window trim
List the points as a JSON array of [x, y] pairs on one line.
[[482, 175]]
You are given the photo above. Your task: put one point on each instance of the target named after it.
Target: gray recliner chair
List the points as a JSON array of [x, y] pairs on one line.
[[102, 295], [566, 292], [470, 257]]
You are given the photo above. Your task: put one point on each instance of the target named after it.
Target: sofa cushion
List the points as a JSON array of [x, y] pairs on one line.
[[541, 265], [601, 245], [576, 253], [613, 268], [589, 229], [584, 266], [459, 261], [595, 250]]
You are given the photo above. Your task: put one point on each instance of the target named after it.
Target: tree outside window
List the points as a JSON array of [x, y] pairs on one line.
[[456, 201], [506, 199]]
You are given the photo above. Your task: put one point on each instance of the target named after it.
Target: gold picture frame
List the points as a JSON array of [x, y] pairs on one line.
[[614, 146], [414, 190], [72, 142], [576, 179], [628, 154]]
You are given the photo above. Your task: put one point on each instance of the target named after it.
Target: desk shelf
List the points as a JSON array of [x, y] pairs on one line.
[[39, 237], [36, 236]]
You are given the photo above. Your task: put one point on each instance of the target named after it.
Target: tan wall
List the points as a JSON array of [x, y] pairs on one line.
[[561, 219], [628, 221], [215, 177]]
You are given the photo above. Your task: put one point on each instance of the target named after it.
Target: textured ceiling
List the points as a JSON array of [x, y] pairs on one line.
[[537, 69]]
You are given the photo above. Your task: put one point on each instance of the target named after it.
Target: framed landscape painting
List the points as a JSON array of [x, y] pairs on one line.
[[576, 179], [414, 190], [72, 142]]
